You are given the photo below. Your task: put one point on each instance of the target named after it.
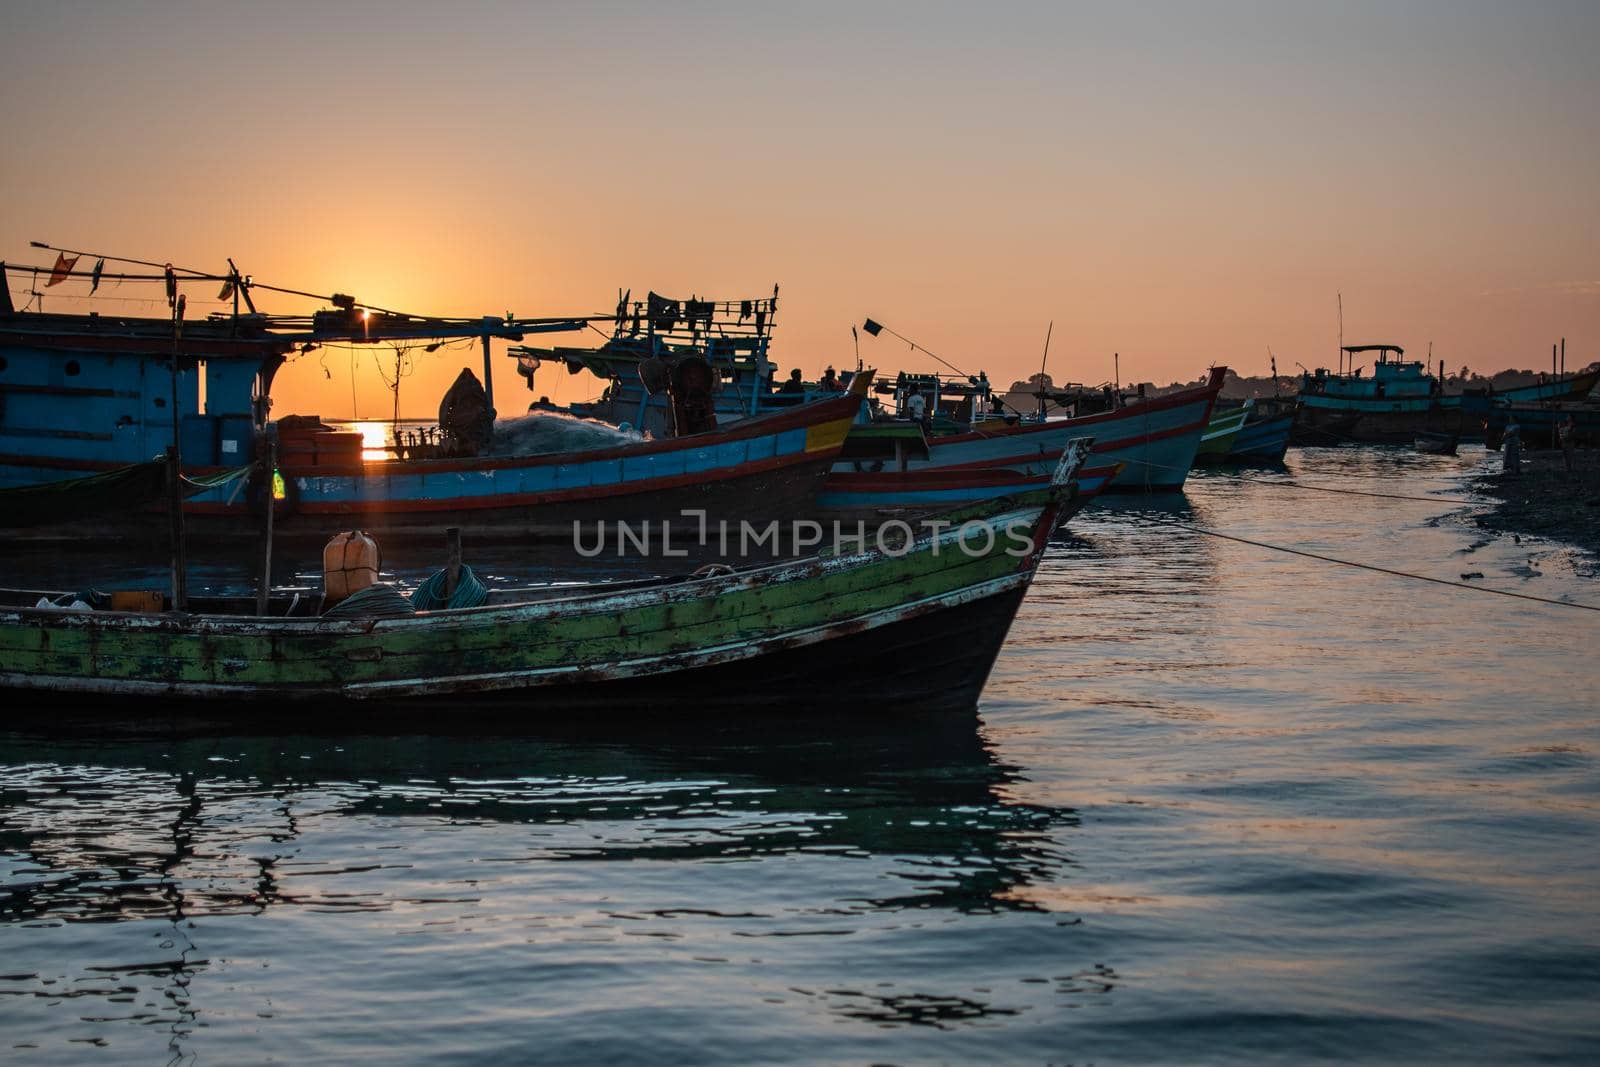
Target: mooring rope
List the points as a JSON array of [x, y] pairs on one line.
[[1369, 566]]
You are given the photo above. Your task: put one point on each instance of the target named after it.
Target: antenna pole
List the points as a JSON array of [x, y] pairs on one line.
[[1042, 361], [1341, 333]]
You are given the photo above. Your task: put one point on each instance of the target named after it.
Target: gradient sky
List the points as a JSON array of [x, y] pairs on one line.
[[1185, 184]]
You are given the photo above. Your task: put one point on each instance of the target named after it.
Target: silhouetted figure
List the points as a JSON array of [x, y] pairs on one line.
[[1511, 446], [1565, 433], [830, 382]]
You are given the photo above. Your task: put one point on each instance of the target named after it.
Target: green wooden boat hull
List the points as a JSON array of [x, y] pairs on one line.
[[917, 628]]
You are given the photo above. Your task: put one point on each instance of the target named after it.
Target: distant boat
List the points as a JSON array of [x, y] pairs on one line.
[[1436, 444], [1221, 432], [1264, 438], [909, 628], [1398, 399]]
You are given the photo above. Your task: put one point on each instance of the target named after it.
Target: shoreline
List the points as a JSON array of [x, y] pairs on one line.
[[1545, 501]]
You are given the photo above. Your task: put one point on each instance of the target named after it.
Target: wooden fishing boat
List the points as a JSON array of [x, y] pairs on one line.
[[1264, 438], [1401, 398], [105, 392], [1436, 444], [914, 626], [1155, 440], [1220, 433], [876, 496]]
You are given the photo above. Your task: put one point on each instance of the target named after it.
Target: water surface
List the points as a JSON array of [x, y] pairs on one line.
[[1218, 804]]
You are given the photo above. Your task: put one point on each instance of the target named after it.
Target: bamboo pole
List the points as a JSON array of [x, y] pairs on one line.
[[452, 570], [180, 564], [264, 591]]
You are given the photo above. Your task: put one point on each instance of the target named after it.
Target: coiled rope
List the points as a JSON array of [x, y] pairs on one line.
[[470, 593], [378, 601]]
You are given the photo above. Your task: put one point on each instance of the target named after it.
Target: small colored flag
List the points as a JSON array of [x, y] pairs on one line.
[[872, 327], [62, 270], [94, 279], [227, 290]]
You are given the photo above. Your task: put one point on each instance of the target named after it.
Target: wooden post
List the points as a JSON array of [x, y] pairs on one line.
[[264, 592], [452, 572], [488, 376], [180, 564]]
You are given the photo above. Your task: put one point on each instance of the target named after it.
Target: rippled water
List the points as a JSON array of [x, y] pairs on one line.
[[1218, 804]]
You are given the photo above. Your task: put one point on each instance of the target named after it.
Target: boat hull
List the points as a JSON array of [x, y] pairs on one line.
[[1155, 441], [1334, 420], [1219, 436], [783, 637], [764, 469], [877, 496], [1263, 441]]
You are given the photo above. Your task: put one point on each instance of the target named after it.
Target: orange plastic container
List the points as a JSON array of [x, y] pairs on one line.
[[143, 600], [349, 562]]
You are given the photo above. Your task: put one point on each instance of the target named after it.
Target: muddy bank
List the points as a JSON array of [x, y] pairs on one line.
[[1546, 501]]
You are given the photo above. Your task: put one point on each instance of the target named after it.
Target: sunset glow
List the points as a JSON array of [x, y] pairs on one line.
[[1182, 186]]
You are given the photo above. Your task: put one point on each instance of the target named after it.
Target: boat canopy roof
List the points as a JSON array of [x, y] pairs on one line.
[[1396, 349]]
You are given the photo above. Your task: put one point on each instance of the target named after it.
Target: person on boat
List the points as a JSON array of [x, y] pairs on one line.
[[1511, 446], [917, 409], [830, 382], [792, 391]]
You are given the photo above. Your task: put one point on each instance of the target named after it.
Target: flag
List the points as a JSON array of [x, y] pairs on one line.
[[227, 290], [63, 268], [172, 286], [872, 327], [94, 280]]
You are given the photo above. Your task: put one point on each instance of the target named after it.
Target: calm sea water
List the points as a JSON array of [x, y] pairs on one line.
[[1219, 804]]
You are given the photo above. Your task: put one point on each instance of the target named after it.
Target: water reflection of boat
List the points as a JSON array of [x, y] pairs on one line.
[[930, 801]]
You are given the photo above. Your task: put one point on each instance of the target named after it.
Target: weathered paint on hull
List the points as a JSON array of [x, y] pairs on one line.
[[550, 653]]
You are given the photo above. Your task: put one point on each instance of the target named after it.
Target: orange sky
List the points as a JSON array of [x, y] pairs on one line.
[[1179, 185]]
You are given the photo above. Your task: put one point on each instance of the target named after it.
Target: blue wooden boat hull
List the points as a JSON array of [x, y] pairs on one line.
[[766, 468], [1263, 441]]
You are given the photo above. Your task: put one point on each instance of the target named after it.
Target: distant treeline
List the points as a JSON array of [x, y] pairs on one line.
[[1021, 394]]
